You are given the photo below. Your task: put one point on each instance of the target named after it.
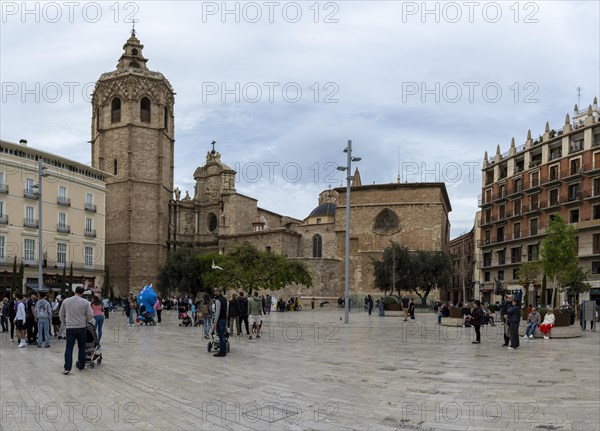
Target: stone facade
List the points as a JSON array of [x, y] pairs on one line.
[[218, 218], [132, 139]]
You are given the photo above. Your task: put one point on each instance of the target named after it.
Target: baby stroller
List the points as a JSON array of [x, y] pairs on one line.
[[92, 355], [146, 319], [186, 320], [215, 344]]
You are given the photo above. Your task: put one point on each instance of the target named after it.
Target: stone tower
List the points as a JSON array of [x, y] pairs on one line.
[[132, 140]]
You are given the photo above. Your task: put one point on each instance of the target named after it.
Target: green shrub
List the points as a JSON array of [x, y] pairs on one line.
[[390, 300]]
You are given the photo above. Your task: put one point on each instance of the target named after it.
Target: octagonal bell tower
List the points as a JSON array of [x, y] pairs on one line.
[[133, 140]]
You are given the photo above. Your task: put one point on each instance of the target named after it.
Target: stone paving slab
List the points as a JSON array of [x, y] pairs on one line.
[[307, 372]]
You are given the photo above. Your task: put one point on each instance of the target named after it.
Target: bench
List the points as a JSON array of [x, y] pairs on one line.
[[572, 331]]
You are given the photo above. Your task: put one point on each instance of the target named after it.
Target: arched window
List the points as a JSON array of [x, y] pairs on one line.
[[134, 51], [386, 222], [317, 246], [115, 110], [134, 64], [166, 118], [145, 110], [115, 167]]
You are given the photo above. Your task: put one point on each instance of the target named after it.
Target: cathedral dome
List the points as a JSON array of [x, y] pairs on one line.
[[326, 209]]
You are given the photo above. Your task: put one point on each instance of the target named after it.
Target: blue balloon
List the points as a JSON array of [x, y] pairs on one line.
[[147, 298]]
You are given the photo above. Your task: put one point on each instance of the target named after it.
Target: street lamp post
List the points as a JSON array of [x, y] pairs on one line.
[[38, 186], [349, 178]]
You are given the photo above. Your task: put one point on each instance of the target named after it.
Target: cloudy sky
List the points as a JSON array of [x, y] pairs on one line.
[[421, 89]]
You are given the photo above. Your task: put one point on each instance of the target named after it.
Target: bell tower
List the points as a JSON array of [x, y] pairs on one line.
[[133, 140]]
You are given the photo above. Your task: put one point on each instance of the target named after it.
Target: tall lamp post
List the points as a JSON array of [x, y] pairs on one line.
[[38, 193], [349, 178]]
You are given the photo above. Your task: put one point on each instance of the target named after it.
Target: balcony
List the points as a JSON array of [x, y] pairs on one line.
[[574, 198], [27, 261], [31, 223], [4, 188], [90, 233], [63, 228], [90, 207], [4, 219], [576, 146], [30, 194], [63, 201], [551, 181], [533, 187]]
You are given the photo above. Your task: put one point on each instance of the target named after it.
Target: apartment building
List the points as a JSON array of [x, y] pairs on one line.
[[557, 173], [73, 213]]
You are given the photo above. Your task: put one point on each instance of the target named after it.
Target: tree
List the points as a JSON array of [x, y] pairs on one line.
[[105, 286], [21, 277], [434, 270], [63, 284], [70, 290], [529, 273], [13, 282], [558, 253], [418, 272], [248, 269], [180, 273]]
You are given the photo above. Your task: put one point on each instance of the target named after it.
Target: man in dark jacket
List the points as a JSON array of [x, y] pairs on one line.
[[505, 306], [476, 320], [243, 310], [514, 317], [220, 319]]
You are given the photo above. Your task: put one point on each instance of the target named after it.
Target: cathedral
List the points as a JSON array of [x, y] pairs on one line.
[[133, 140]]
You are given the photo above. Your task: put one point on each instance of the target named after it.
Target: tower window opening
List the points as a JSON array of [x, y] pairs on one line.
[[166, 118], [145, 110], [115, 112], [115, 167], [134, 51]]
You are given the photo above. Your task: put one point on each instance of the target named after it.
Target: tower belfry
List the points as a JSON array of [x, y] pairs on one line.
[[132, 139]]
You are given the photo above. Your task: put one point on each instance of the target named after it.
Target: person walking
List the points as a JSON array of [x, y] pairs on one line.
[[75, 312], [243, 308], [20, 319], [206, 310], [405, 304], [30, 318], [221, 308], [4, 314], [255, 311], [98, 311], [106, 305], [477, 320], [159, 308], [411, 309], [234, 313], [381, 306], [514, 317], [370, 304], [43, 313]]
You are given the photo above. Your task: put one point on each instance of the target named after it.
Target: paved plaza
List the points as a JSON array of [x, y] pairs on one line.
[[307, 372]]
